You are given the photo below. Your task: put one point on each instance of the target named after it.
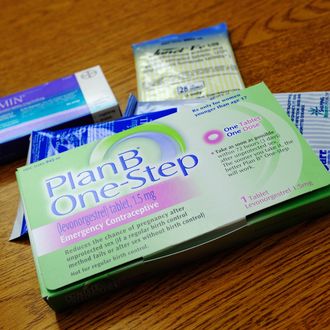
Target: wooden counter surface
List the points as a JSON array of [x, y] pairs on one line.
[[280, 281]]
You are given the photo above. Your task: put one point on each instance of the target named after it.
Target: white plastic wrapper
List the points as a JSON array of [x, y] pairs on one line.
[[188, 65]]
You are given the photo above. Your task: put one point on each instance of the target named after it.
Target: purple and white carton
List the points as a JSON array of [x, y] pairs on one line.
[[81, 98]]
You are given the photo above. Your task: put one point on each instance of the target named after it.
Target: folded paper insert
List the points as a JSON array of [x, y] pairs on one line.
[[142, 199]]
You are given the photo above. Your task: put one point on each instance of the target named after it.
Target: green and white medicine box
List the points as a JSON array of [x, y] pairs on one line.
[[168, 191]]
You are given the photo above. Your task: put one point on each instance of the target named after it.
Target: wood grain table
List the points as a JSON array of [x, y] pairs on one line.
[[280, 281]]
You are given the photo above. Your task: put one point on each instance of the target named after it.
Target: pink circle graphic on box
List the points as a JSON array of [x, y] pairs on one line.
[[213, 136]]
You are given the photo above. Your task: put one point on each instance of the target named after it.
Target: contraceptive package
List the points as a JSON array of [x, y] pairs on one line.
[[46, 143], [197, 164], [188, 65], [81, 98], [186, 184]]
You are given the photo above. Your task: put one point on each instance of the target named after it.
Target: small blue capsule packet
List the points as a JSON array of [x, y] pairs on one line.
[[309, 111], [48, 143]]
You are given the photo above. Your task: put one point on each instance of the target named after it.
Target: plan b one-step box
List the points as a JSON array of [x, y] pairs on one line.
[[159, 194], [81, 98]]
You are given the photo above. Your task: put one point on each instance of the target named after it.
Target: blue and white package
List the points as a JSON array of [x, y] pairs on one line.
[[48, 143], [309, 111], [79, 99]]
